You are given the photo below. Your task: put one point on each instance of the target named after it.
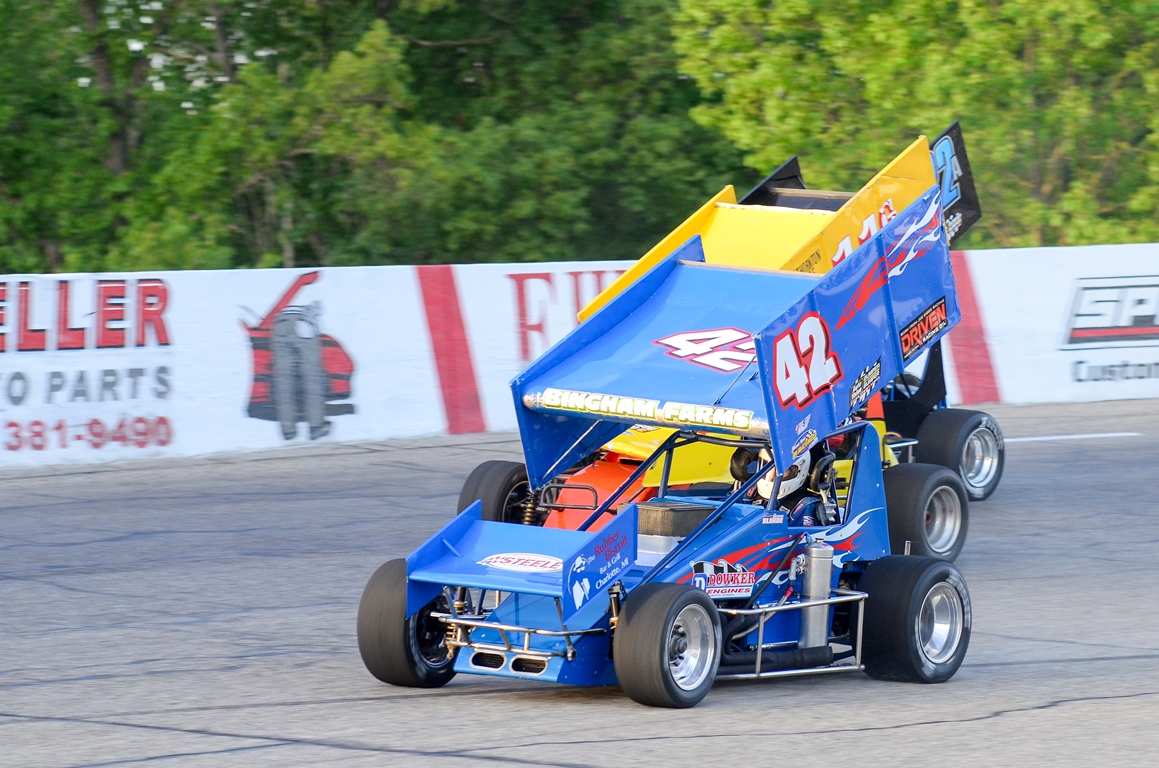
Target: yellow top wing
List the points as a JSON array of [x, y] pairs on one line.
[[775, 237]]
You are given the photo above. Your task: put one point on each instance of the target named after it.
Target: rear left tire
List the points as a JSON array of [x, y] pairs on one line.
[[501, 486]]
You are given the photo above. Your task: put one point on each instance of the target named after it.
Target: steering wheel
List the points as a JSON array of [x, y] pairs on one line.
[[823, 481]]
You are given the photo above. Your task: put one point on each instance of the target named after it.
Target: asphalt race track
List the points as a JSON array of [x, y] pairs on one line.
[[201, 613]]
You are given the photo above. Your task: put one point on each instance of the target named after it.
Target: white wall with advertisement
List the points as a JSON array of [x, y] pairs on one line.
[[117, 366], [514, 312], [1071, 324], [133, 365]]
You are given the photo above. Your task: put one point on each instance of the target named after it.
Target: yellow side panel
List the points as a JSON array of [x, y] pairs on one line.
[[844, 470], [696, 224], [639, 442], [695, 463], [889, 192], [760, 236]]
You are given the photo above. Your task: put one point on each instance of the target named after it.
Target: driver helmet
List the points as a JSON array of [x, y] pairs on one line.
[[793, 480]]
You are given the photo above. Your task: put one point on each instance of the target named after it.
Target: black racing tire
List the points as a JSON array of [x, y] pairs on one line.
[[667, 647], [968, 442], [917, 619], [502, 487], [400, 651], [926, 506]]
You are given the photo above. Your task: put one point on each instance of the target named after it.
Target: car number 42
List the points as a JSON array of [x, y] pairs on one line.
[[804, 366]]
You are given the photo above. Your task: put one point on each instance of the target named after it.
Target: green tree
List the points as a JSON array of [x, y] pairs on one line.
[[201, 133], [1058, 99]]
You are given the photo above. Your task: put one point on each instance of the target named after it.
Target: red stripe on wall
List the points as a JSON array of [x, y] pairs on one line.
[[452, 353], [971, 354]]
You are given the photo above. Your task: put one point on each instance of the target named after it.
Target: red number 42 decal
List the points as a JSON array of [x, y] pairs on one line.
[[803, 365]]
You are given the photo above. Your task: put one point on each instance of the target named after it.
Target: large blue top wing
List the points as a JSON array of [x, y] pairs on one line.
[[763, 353]]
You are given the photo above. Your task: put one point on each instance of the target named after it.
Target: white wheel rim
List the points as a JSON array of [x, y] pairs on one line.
[[943, 520], [691, 647], [980, 458], [940, 623]]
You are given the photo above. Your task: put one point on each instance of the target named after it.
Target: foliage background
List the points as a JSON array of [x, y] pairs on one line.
[[218, 133]]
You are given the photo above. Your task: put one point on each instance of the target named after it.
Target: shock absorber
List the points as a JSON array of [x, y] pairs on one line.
[[531, 508], [455, 633], [817, 580]]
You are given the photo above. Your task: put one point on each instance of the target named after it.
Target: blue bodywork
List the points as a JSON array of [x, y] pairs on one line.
[[807, 352]]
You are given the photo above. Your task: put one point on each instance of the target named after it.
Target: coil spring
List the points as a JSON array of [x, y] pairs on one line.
[[454, 633], [531, 508]]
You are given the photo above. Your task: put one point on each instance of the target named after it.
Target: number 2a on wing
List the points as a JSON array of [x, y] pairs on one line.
[[948, 169], [803, 364]]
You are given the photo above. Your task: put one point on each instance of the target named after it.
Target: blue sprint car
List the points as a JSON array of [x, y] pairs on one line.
[[787, 571]]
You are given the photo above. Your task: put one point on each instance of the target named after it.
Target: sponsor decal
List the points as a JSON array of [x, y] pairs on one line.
[[774, 519], [299, 372], [581, 586], [925, 327], [804, 442], [921, 236], [810, 264], [1084, 371], [523, 562], [865, 384], [722, 349], [123, 323], [803, 424], [669, 412], [722, 579], [1114, 312], [594, 569], [953, 225]]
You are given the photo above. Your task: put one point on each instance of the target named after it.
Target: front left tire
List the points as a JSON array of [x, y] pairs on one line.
[[397, 650]]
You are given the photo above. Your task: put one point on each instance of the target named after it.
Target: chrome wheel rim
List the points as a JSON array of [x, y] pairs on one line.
[[980, 457], [940, 623], [943, 520], [691, 647]]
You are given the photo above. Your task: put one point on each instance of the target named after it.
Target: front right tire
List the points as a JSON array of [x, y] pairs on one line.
[[968, 442], [667, 645], [501, 486], [917, 619]]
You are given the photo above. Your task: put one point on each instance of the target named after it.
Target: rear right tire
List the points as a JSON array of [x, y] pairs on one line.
[[927, 507], [968, 442]]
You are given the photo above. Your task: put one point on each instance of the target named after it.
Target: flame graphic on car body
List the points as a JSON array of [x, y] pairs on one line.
[[920, 237]]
